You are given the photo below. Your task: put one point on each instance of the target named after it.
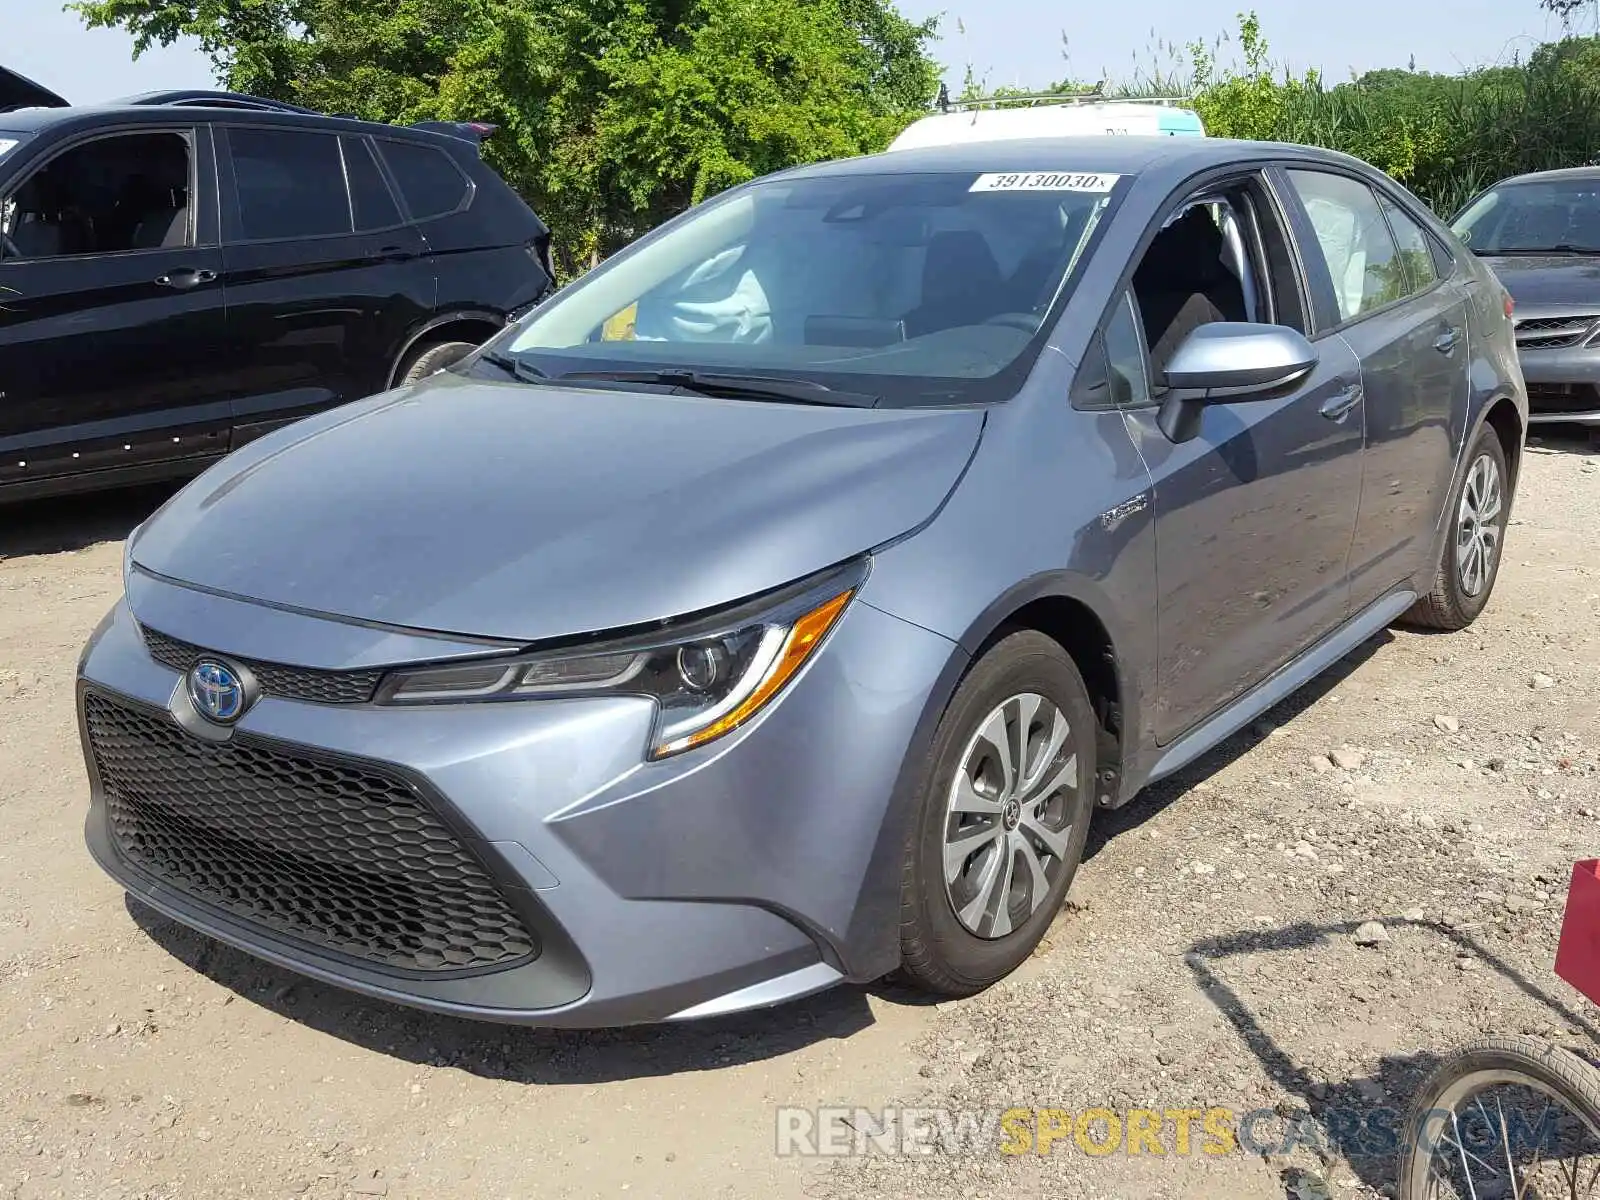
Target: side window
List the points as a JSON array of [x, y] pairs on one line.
[[1128, 368], [1416, 253], [108, 196], [1353, 240], [430, 182], [290, 183], [370, 201]]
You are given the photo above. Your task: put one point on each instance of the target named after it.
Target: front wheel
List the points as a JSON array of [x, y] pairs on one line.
[[1003, 816], [1510, 1117]]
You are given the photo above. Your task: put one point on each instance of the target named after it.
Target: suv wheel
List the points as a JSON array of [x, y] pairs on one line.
[[434, 358], [1470, 562], [1003, 817]]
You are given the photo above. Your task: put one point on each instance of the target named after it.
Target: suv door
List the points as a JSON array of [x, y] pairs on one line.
[[323, 276], [1254, 516], [1375, 275], [111, 309]]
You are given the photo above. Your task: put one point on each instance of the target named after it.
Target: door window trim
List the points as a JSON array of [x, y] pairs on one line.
[[350, 193], [1326, 304], [189, 134]]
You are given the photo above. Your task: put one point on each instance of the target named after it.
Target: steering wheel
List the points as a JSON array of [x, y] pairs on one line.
[[1027, 322]]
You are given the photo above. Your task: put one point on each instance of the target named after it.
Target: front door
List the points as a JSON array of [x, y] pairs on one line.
[[111, 309], [1254, 516]]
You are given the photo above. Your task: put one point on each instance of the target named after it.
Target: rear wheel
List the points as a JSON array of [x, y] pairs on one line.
[[434, 358], [1003, 817], [1470, 561]]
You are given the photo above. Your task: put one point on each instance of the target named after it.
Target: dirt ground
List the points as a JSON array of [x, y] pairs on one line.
[[1208, 959]]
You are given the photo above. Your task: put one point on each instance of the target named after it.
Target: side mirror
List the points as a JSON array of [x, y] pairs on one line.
[[1226, 361]]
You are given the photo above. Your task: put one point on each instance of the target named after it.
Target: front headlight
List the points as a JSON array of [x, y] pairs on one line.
[[707, 676]]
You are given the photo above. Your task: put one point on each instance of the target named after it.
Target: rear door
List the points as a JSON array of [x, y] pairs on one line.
[[1379, 287], [320, 271], [111, 308]]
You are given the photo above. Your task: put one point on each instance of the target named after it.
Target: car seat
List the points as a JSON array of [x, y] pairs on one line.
[[1183, 273], [961, 283]]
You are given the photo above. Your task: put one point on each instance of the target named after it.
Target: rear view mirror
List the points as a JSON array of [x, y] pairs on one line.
[[1230, 360]]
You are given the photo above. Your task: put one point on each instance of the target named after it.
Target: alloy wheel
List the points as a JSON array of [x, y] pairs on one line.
[[1478, 526], [1009, 815]]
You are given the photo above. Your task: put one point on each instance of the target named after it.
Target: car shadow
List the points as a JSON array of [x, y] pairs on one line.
[[77, 522], [1361, 1118], [1111, 823], [1565, 439], [512, 1053]]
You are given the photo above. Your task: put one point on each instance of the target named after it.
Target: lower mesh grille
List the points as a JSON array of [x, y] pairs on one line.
[[339, 855], [1563, 398]]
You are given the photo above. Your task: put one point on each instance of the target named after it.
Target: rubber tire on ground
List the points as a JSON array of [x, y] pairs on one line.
[[1447, 607], [938, 954], [435, 358], [1549, 1066]]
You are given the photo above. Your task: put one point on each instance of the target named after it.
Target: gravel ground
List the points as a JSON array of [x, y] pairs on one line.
[[1211, 957]]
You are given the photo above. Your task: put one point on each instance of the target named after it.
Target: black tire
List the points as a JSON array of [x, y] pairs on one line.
[[939, 953], [1449, 606], [1561, 1076], [434, 358]]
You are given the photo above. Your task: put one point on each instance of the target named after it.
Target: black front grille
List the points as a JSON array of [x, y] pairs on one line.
[[341, 855], [291, 683], [1553, 333], [1553, 398]]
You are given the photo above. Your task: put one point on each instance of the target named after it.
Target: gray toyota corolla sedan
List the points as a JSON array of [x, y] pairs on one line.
[[772, 606]]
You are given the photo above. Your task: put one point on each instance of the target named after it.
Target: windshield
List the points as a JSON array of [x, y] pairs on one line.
[[915, 289], [1522, 218]]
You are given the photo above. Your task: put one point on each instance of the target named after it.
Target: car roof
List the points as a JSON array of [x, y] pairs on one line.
[[88, 117], [1121, 155], [1566, 174]]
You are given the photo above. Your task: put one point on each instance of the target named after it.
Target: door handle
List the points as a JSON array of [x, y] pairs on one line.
[[390, 254], [1447, 341], [1338, 407], [185, 277]]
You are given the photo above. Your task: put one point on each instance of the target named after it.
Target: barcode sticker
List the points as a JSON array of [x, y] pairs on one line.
[[1043, 181]]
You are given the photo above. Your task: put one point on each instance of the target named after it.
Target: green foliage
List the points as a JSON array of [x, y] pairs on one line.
[[1445, 137], [614, 114]]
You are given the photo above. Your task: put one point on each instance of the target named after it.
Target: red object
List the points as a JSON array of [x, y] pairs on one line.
[[1511, 304], [1578, 953]]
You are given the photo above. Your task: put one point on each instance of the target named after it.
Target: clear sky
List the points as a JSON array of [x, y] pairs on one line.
[[1008, 41]]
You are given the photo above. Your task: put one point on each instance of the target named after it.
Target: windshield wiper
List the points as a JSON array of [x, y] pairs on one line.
[[515, 367], [717, 383], [1558, 248]]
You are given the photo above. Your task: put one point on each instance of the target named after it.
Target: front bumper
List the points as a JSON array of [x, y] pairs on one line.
[[1563, 384], [757, 869]]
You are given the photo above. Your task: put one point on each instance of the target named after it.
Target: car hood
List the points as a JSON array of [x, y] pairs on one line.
[[527, 512], [1558, 280], [18, 91]]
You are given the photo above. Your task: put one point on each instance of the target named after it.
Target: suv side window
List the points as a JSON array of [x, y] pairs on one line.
[[430, 182], [370, 200], [110, 195], [1416, 254], [1353, 241], [289, 183]]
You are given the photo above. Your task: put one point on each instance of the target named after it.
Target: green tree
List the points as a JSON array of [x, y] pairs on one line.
[[614, 114]]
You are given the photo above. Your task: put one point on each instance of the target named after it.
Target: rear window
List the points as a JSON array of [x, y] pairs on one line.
[[290, 183], [430, 182]]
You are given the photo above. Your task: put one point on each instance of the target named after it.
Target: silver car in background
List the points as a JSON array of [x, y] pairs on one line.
[[772, 607]]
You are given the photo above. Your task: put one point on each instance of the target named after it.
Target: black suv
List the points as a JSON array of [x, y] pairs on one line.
[[184, 271]]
